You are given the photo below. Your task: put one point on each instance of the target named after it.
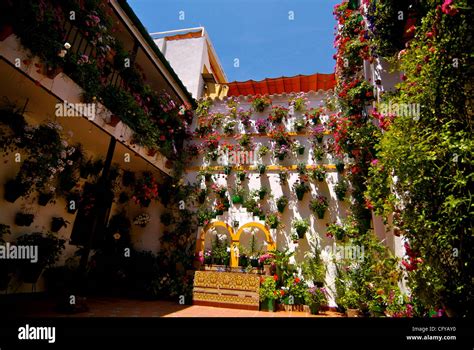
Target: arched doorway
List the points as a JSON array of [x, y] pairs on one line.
[[235, 238]]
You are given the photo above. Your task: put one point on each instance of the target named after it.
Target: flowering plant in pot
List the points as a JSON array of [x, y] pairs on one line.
[[219, 208], [301, 226], [283, 177], [281, 203], [318, 152], [267, 261], [300, 187], [242, 175], [146, 190], [299, 125], [58, 223], [220, 190], [281, 151], [319, 205], [318, 173], [259, 103], [299, 102], [301, 168], [278, 114], [261, 168], [339, 166], [336, 230], [314, 115], [318, 133], [341, 189], [229, 127], [261, 125], [207, 175], [268, 293], [316, 298], [227, 169], [141, 220], [297, 148], [273, 220], [244, 117], [50, 248], [262, 192], [245, 141]]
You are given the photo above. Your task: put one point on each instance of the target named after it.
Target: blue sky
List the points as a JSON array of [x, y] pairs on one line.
[[257, 32]]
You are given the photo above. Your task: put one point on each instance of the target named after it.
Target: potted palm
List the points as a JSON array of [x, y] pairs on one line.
[[301, 226], [50, 247]]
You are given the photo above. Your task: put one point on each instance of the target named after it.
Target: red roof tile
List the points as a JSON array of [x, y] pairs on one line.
[[271, 86]]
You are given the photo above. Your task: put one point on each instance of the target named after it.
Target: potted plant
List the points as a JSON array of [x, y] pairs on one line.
[[315, 298], [281, 203], [281, 151], [23, 219], [266, 260], [261, 169], [299, 102], [301, 168], [318, 152], [259, 103], [301, 226], [314, 115], [263, 151], [268, 293], [262, 192], [339, 166], [283, 177], [14, 189], [319, 205], [350, 302], [50, 248], [238, 195], [299, 125], [341, 189], [220, 190], [295, 238], [58, 223], [227, 169], [272, 220], [241, 175], [318, 133], [297, 148], [243, 260], [336, 230], [261, 125], [318, 173], [300, 188], [277, 114]]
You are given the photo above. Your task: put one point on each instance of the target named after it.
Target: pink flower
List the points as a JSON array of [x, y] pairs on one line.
[[447, 9], [374, 162]]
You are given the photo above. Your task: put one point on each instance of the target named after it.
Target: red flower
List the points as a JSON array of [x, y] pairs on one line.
[[297, 280], [275, 277]]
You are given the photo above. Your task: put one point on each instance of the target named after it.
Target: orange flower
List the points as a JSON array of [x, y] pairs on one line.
[[297, 280], [275, 277]]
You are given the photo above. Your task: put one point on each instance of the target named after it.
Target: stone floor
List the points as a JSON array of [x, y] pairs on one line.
[[117, 307]]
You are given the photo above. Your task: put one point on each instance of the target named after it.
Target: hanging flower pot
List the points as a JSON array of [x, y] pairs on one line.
[[301, 150], [301, 232], [300, 194], [262, 168], [339, 167], [208, 177], [22, 219], [45, 198], [14, 190], [58, 223]]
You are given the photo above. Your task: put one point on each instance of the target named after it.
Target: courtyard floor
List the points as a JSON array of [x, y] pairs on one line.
[[118, 307]]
